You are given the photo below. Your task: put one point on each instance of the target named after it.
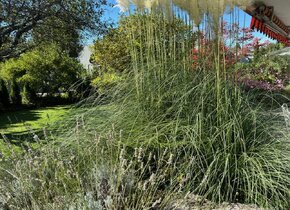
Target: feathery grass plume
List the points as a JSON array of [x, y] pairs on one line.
[[193, 9], [123, 5], [196, 8], [139, 4], [148, 4], [158, 3]]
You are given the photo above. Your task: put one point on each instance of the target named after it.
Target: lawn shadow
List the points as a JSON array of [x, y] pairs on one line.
[[9, 119], [19, 129], [24, 138]]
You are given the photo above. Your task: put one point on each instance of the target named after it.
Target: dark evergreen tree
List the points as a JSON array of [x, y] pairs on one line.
[[4, 95], [29, 95], [15, 95]]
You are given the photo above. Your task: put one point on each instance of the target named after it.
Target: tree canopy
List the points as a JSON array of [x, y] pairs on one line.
[[112, 51], [47, 69], [22, 22]]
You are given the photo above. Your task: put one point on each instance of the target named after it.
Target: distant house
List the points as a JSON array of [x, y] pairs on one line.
[[85, 55], [84, 59], [283, 52]]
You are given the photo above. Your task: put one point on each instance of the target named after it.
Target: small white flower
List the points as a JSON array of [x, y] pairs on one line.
[[121, 155]]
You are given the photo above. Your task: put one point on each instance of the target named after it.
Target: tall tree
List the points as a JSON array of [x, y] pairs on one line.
[[47, 69], [112, 51], [61, 33], [4, 95], [20, 18], [15, 95]]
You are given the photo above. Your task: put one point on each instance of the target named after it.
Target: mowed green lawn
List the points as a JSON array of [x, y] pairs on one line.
[[19, 127], [24, 121]]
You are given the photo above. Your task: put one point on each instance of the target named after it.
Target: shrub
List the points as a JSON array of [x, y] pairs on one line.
[[105, 82], [265, 71], [47, 69]]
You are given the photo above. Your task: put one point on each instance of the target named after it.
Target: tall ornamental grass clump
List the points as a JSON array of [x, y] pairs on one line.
[[239, 152]]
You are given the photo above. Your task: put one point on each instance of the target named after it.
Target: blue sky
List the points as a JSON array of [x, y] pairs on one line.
[[112, 13]]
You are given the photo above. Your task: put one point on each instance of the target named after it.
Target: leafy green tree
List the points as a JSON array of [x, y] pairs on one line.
[[4, 95], [21, 20], [112, 51], [63, 34], [46, 69]]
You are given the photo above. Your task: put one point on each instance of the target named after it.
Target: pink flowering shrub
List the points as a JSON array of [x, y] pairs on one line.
[[233, 46], [263, 71], [245, 57], [260, 70]]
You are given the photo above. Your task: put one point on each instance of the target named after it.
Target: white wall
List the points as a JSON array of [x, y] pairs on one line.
[[84, 56]]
